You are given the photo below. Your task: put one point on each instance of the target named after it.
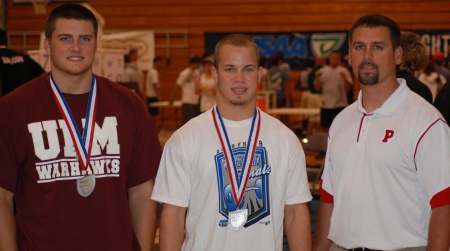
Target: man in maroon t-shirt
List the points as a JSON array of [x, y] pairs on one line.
[[78, 153]]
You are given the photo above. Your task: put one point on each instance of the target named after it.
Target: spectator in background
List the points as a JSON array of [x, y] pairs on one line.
[[284, 65], [415, 57], [334, 81], [442, 102], [206, 86], [132, 72], [263, 63], [276, 79], [15, 68], [438, 58], [187, 80], [431, 78], [152, 85]]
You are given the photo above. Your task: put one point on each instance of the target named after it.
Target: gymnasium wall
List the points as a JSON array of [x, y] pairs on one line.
[[200, 16]]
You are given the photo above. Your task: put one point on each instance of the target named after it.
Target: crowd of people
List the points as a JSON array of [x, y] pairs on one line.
[[82, 164]]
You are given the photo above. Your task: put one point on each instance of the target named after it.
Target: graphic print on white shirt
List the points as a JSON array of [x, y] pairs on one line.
[[256, 198]]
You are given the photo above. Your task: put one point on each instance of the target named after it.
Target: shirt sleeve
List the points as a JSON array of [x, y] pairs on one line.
[[326, 191], [146, 155], [9, 161], [297, 190], [432, 159], [184, 75], [172, 183]]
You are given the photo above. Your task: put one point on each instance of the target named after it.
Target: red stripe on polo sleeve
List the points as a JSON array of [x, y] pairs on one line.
[[441, 199], [324, 195]]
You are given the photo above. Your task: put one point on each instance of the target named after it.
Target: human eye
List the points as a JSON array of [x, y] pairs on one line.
[[228, 69], [85, 39], [249, 69], [377, 47], [65, 39], [359, 47]]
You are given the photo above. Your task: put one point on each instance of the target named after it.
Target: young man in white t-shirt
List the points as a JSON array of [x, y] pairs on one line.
[[386, 181], [238, 173]]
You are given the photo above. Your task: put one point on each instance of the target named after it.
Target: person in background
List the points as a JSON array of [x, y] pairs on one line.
[[78, 152], [415, 57], [187, 81], [152, 85], [439, 63], [276, 79], [206, 86], [431, 78], [15, 68], [334, 81], [132, 73], [386, 181]]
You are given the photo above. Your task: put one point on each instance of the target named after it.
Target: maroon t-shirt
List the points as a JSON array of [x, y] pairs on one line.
[[38, 164]]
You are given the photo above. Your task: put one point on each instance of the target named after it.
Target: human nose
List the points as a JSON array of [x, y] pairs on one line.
[[75, 46], [239, 76], [368, 53]]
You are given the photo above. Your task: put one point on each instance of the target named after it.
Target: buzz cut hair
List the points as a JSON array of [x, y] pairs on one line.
[[238, 40], [69, 11], [377, 20]]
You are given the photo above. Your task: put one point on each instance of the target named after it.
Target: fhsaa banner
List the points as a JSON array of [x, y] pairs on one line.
[[297, 47]]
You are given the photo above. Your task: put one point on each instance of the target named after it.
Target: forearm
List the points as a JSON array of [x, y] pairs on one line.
[[439, 230], [143, 214], [297, 225], [8, 240], [172, 228], [321, 241]]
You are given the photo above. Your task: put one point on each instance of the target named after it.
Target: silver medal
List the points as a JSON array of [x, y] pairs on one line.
[[85, 185], [237, 219]]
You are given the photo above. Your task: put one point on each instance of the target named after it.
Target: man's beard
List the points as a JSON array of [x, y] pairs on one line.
[[368, 78], [237, 101]]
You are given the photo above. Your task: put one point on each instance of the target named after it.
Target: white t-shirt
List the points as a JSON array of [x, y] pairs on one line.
[[133, 74], [192, 174], [333, 86], [383, 170], [208, 98], [186, 80], [152, 79]]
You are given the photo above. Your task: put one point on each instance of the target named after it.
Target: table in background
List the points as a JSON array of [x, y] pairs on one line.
[[176, 105]]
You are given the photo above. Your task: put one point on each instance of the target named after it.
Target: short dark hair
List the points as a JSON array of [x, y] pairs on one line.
[[157, 59], [69, 11], [377, 20], [238, 40], [276, 58]]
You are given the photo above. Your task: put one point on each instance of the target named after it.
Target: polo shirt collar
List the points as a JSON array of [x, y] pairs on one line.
[[391, 104]]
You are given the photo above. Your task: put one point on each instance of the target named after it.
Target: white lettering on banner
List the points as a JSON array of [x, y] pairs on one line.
[[12, 60], [104, 166], [438, 42], [38, 140]]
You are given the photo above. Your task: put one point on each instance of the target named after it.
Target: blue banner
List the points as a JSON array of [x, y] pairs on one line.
[[298, 46]]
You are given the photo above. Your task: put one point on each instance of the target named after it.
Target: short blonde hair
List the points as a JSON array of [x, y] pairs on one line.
[[238, 40], [415, 55]]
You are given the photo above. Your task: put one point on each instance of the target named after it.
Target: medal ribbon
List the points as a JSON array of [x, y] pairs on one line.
[[83, 145], [237, 186]]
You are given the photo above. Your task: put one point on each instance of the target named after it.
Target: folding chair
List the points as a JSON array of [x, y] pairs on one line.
[[316, 143]]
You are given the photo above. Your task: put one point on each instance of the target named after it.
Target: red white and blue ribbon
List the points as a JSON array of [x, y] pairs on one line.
[[82, 144], [238, 184]]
